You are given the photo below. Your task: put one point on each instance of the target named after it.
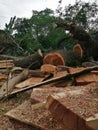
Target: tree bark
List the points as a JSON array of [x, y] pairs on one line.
[[33, 61], [9, 85], [87, 42]]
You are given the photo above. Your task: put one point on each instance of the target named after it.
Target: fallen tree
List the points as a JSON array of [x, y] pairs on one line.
[[88, 44], [58, 57], [33, 61], [64, 57]]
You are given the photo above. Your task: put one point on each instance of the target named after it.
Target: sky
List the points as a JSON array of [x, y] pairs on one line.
[[23, 8]]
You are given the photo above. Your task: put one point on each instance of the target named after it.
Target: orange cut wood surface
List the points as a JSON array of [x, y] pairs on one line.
[[41, 94], [77, 49], [76, 106], [35, 115], [87, 78], [48, 68], [54, 59], [6, 64]]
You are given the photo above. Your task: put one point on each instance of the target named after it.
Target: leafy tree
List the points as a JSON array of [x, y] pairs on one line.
[[28, 35], [9, 26], [38, 31], [83, 13]]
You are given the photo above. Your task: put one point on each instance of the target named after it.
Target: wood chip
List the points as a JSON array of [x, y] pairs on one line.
[[79, 103], [36, 115]]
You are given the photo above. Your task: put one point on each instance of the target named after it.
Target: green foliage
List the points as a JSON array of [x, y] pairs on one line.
[[9, 26], [24, 36], [82, 13]]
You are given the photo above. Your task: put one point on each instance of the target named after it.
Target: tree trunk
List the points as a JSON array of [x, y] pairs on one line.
[[63, 57], [87, 42], [54, 58], [33, 61]]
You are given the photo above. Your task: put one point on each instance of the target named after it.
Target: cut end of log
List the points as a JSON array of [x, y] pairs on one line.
[[54, 59], [77, 49], [48, 68]]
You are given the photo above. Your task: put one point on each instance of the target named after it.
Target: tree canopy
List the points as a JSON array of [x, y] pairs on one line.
[[26, 35]]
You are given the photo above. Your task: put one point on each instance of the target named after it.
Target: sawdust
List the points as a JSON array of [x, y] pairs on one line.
[[9, 104]]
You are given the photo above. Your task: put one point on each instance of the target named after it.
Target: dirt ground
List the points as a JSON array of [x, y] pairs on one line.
[[7, 105]]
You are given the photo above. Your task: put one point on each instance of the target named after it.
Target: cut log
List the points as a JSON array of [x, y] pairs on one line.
[[10, 84], [6, 64], [87, 42], [63, 57], [33, 61], [77, 49], [54, 58], [48, 68], [76, 107], [35, 115]]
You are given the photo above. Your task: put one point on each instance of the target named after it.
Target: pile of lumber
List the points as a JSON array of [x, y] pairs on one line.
[[55, 102], [65, 108], [35, 60], [62, 98], [28, 79]]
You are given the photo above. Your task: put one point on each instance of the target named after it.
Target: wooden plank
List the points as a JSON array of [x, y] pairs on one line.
[[6, 64], [28, 82], [36, 115], [76, 108], [65, 78], [78, 49], [3, 77], [86, 79]]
